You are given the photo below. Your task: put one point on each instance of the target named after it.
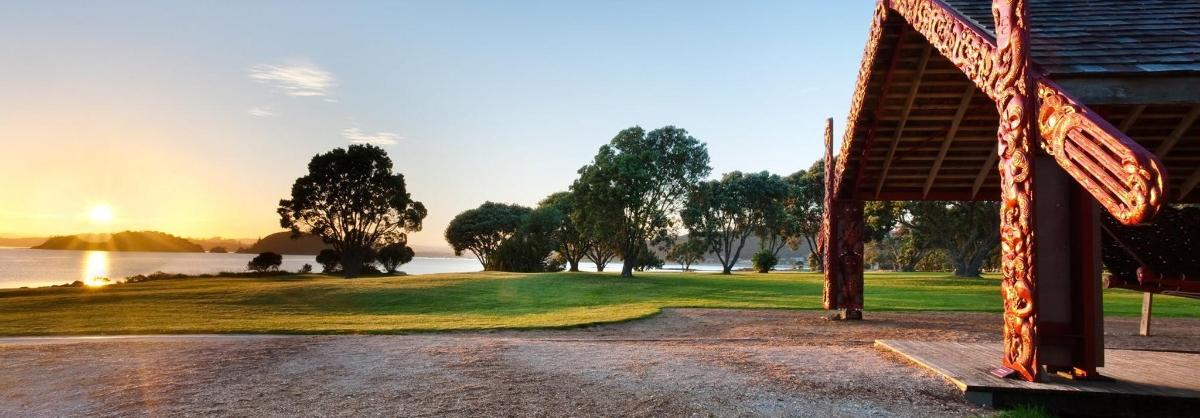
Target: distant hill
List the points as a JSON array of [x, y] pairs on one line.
[[282, 243], [230, 244], [122, 241], [24, 242]]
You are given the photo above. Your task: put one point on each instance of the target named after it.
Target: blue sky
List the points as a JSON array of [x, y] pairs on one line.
[[195, 117]]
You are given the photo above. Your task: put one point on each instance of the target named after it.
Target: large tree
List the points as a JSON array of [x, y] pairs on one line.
[[635, 185], [483, 229], [724, 213], [354, 202], [804, 207], [969, 232], [572, 244]]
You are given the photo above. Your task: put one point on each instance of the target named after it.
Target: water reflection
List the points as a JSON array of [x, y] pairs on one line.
[[95, 268]]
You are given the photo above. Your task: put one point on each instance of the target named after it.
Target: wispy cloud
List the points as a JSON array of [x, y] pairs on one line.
[[261, 112], [357, 136], [295, 78]]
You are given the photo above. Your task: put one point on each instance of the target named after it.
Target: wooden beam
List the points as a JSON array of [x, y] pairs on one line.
[[877, 114], [983, 173], [958, 117], [1188, 120], [912, 97], [1189, 184], [1160, 89], [1133, 117]]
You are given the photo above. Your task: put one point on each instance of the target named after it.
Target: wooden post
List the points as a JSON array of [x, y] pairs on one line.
[[1147, 302], [1017, 104]]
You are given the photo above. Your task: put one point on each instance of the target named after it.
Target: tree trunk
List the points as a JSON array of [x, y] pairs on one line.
[[352, 262], [574, 265], [629, 259]]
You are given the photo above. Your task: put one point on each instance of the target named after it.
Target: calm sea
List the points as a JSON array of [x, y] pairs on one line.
[[25, 267]]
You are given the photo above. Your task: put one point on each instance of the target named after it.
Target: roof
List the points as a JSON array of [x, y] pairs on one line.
[[1105, 37]]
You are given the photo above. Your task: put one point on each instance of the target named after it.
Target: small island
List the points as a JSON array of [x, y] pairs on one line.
[[151, 241]]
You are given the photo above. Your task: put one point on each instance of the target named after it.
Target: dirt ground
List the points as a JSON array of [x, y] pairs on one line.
[[684, 362]]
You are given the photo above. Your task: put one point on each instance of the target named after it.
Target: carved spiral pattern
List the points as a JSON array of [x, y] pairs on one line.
[[1125, 178], [829, 297], [860, 90], [1011, 81]]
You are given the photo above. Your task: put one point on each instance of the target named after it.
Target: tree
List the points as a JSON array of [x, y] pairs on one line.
[[724, 213], [394, 255], [530, 248], [902, 249], [354, 202], [969, 232], [646, 259], [483, 229], [218, 250], [764, 260], [635, 185], [306, 268], [804, 207], [329, 260], [600, 251], [267, 261], [686, 253], [572, 244]]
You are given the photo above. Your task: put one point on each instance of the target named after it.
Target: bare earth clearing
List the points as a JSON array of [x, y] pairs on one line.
[[682, 362]]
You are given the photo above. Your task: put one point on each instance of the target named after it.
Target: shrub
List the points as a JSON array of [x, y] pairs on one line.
[[307, 268], [393, 256], [329, 260], [267, 261], [764, 260]]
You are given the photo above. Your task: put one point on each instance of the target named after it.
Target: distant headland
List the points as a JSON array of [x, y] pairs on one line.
[[122, 241]]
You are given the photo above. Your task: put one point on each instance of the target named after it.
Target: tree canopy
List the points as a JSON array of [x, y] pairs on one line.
[[724, 213], [392, 256], [483, 229], [354, 202], [572, 244], [635, 184]]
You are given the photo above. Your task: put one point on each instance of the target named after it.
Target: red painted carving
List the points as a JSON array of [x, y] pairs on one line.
[[1124, 177], [850, 257], [860, 91], [1011, 83], [829, 298]]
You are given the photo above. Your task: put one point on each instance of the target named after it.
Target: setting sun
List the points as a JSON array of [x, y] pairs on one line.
[[101, 214]]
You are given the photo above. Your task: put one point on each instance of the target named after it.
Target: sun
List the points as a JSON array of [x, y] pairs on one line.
[[101, 214]]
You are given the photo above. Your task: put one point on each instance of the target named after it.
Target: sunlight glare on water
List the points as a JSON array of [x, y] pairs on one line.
[[95, 268]]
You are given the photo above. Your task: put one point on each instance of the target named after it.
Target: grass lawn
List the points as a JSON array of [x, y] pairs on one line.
[[320, 304]]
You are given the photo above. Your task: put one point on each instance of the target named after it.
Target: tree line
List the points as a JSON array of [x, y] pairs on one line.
[[641, 192]]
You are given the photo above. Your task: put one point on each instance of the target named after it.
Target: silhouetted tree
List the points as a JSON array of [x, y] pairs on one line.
[[634, 186], [969, 232], [530, 248], [354, 202], [572, 244], [483, 229], [724, 213], [306, 268], [329, 260], [267, 261], [218, 250], [392, 256]]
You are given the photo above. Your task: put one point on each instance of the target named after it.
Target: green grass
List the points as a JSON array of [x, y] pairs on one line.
[[321, 304]]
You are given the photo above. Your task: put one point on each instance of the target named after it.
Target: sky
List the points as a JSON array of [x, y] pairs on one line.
[[194, 118]]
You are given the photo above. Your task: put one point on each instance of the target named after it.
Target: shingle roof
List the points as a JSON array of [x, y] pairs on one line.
[[1106, 36]]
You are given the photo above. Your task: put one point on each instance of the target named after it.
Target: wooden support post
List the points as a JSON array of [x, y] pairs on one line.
[[1147, 305], [1016, 103]]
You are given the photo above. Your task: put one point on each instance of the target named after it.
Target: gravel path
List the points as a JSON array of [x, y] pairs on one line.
[[681, 363]]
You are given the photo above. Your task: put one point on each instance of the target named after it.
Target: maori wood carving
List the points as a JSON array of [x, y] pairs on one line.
[[1126, 179], [1011, 84], [829, 299]]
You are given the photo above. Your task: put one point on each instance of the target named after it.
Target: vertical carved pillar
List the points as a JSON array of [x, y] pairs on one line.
[[1011, 82], [850, 257], [829, 298]]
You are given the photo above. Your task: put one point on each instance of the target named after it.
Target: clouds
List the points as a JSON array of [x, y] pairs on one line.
[[357, 136], [261, 112], [299, 78]]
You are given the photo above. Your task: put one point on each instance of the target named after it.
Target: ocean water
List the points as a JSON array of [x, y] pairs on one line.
[[21, 267], [25, 267]]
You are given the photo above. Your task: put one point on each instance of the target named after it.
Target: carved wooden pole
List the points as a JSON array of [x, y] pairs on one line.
[[850, 256], [1011, 82], [829, 298]]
